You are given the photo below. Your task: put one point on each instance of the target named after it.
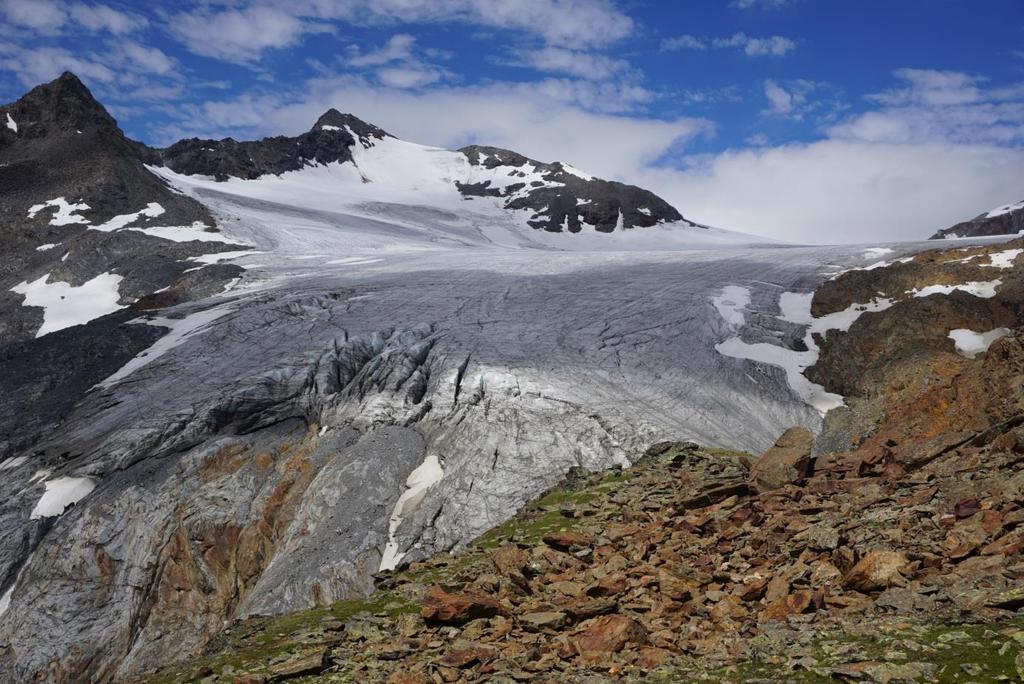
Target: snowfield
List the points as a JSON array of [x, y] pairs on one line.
[[65, 305]]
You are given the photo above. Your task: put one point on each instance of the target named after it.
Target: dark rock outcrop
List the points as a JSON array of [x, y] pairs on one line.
[[1007, 220], [565, 199], [330, 140]]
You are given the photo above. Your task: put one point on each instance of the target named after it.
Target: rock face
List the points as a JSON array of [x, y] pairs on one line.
[[787, 462], [1006, 220], [564, 199], [75, 198], [329, 141]]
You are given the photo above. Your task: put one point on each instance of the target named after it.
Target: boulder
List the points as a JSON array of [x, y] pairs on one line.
[[442, 607], [877, 571], [788, 461], [609, 634]]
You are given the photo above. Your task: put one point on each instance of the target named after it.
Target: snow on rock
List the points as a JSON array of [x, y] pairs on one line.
[[970, 343], [13, 462], [43, 248], [419, 481], [152, 210], [1003, 259], [223, 256], [60, 493], [196, 232], [65, 305], [11, 123], [65, 214], [795, 307], [982, 289], [731, 304], [1006, 209]]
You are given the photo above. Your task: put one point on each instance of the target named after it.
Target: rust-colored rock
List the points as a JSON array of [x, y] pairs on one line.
[[568, 540], [511, 562], [877, 571], [609, 634], [787, 462], [311, 664], [442, 607]]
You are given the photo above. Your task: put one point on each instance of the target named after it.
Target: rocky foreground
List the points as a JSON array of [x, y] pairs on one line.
[[887, 549]]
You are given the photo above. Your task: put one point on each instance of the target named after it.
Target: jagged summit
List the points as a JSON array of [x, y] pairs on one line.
[[332, 119], [64, 105]]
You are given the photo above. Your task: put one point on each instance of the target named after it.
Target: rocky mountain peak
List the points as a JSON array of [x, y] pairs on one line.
[[333, 119], [64, 105]]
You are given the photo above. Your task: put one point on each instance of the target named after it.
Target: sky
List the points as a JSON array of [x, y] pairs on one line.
[[819, 121]]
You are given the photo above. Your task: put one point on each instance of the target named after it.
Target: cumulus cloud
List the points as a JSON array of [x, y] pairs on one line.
[[835, 191], [774, 46]]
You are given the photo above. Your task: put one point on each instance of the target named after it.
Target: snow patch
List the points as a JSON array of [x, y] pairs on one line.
[[65, 305], [61, 493], [731, 304], [43, 248], [970, 343], [222, 256], [195, 233], [982, 289], [1003, 259], [1006, 209], [65, 214], [795, 307], [13, 462], [152, 210], [328, 127], [572, 170], [11, 123], [419, 481]]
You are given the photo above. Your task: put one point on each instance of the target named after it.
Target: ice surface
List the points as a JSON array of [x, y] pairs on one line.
[[970, 343], [60, 493], [196, 232], [65, 305], [181, 329]]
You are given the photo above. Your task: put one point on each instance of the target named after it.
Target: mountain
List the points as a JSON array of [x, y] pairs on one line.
[[554, 197], [1005, 220], [80, 210], [261, 374]]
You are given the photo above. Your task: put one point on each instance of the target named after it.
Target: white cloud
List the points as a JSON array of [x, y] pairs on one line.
[[792, 100], [399, 47], [145, 59], [396, 65], [240, 35], [683, 42], [768, 46], [940, 106], [37, 65], [103, 18], [573, 62], [762, 4], [843, 190], [44, 16], [240, 31]]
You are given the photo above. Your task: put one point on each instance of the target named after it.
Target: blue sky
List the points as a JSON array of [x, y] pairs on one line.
[[810, 120]]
